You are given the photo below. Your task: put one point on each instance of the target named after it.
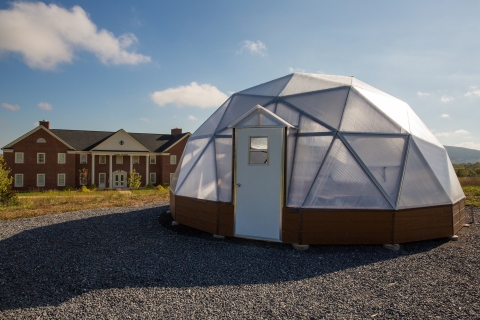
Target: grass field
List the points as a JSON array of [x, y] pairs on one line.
[[35, 204]]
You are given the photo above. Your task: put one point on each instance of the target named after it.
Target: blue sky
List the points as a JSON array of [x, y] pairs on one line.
[[149, 66]]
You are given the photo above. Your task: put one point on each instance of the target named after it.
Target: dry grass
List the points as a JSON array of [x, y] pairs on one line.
[[33, 205], [469, 181]]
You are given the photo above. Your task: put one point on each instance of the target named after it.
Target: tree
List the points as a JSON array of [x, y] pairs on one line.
[[134, 180], [7, 194]]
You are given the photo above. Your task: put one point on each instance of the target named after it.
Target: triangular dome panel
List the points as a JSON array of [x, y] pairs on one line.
[[342, 183], [307, 125], [290, 115], [239, 105], [223, 154], [305, 82], [395, 109], [420, 187], [384, 156], [457, 192], [192, 151], [419, 129], [309, 155], [201, 183], [360, 84], [209, 126], [361, 116], [271, 88], [326, 106]]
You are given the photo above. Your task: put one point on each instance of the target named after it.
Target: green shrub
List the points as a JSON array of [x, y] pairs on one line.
[[160, 187], [149, 186], [92, 187], [134, 180], [85, 189], [7, 195]]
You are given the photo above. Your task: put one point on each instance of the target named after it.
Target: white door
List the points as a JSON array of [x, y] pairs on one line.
[[101, 180], [259, 182], [119, 180]]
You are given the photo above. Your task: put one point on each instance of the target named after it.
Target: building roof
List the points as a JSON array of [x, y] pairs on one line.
[[83, 140]]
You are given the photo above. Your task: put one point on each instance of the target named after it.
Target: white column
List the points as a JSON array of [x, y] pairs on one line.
[[147, 178], [110, 174], [131, 163], [93, 168]]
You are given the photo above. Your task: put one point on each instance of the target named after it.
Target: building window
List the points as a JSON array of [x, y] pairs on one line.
[[153, 159], [171, 177], [19, 180], [102, 159], [83, 158], [41, 140], [136, 159], [119, 159], [62, 157], [18, 157], [102, 178], [153, 177], [173, 159], [41, 180], [61, 180], [40, 157]]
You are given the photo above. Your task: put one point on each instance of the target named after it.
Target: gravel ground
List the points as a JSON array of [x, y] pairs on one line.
[[130, 263]]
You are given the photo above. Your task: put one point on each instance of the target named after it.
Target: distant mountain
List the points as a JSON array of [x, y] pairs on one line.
[[463, 155]]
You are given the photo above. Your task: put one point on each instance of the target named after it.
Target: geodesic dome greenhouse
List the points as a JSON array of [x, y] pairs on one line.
[[310, 158]]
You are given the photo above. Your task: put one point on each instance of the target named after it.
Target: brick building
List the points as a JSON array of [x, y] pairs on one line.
[[47, 158]]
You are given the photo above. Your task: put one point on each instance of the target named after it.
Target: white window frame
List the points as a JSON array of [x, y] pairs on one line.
[[136, 159], [19, 154], [100, 157], [83, 158], [38, 158], [117, 159], [104, 178], [173, 159], [18, 185], [171, 176], [64, 158], [39, 175], [154, 175], [153, 159], [64, 179]]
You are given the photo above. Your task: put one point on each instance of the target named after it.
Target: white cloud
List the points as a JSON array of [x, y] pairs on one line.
[[11, 107], [296, 70], [445, 115], [48, 35], [45, 106], [258, 48], [193, 118], [470, 145], [450, 133], [446, 99], [423, 94], [461, 131], [474, 91], [195, 95]]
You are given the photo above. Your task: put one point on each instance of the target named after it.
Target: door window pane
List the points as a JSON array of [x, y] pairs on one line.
[[258, 153]]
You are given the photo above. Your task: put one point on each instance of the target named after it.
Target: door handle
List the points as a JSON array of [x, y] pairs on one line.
[[239, 184]]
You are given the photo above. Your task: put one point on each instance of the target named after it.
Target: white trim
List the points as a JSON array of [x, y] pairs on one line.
[[64, 179], [113, 136], [64, 158], [44, 156], [7, 150], [173, 159], [15, 180], [154, 175], [188, 134], [86, 158], [133, 159], [41, 140], [38, 175], [23, 157], [33, 131]]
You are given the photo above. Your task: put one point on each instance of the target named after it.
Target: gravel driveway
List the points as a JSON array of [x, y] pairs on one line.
[[130, 263]]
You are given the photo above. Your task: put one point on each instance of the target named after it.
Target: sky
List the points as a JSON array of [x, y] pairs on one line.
[[149, 66]]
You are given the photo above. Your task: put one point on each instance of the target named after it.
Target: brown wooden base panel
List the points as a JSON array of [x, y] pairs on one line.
[[332, 227]]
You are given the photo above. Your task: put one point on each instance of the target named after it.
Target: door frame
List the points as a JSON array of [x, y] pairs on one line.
[[119, 173], [104, 181], [283, 181]]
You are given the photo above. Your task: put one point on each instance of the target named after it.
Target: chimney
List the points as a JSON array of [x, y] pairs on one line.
[[46, 123], [176, 131]]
